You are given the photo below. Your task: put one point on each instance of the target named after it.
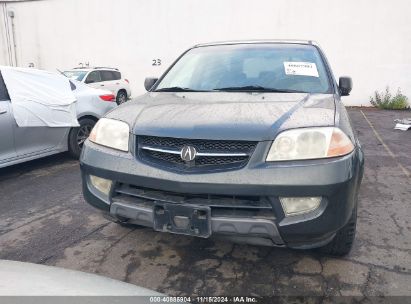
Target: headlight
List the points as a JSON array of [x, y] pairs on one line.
[[111, 133], [310, 143]]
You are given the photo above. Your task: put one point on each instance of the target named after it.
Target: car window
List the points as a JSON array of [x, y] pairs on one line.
[[287, 67], [107, 75], [117, 75], [4, 94], [75, 75], [94, 76]]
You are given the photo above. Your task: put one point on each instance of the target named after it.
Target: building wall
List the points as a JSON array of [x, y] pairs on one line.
[[369, 40]]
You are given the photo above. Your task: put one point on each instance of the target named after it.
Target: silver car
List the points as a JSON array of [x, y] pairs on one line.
[[20, 144]]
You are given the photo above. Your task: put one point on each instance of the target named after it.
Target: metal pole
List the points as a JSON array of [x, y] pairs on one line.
[[13, 33], [5, 21]]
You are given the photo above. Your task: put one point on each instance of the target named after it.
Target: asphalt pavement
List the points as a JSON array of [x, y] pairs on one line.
[[44, 219]]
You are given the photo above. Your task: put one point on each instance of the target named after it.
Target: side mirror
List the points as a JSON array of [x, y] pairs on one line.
[[149, 82], [345, 85]]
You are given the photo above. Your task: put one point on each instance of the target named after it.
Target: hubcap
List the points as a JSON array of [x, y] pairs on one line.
[[82, 134], [122, 98]]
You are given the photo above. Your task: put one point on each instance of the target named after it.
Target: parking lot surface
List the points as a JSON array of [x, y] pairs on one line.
[[45, 220]]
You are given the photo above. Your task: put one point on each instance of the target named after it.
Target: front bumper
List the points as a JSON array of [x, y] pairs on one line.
[[335, 180]]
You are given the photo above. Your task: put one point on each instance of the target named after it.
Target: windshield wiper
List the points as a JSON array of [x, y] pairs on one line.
[[177, 89], [257, 88], [249, 88]]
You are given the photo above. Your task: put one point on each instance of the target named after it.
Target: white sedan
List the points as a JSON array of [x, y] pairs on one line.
[[25, 130]]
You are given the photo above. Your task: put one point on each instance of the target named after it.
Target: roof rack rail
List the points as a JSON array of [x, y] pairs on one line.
[[94, 68], [106, 68]]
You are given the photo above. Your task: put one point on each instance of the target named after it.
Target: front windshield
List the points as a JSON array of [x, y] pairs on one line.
[[249, 67], [75, 75]]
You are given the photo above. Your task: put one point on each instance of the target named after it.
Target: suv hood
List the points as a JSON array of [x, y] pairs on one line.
[[222, 115]]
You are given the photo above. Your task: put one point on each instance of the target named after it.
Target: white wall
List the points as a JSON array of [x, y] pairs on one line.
[[369, 40]]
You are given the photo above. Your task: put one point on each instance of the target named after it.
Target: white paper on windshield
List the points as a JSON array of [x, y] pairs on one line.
[[301, 69], [40, 98]]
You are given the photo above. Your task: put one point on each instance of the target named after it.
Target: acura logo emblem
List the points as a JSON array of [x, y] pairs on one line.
[[188, 153]]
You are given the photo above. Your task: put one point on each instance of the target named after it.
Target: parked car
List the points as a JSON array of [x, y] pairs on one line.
[[246, 140], [36, 280], [103, 78], [92, 104], [20, 144]]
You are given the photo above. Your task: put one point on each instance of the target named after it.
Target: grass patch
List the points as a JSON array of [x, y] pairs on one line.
[[385, 100]]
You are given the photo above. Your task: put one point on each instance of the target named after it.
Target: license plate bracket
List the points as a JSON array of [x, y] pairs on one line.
[[182, 219]]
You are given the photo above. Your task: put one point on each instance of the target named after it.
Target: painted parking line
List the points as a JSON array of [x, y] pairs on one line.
[[392, 154]]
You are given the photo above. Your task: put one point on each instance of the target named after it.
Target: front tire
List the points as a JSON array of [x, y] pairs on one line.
[[78, 136], [342, 243], [121, 97]]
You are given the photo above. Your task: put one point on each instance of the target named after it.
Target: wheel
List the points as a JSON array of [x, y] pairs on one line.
[[344, 239], [78, 136], [121, 97]]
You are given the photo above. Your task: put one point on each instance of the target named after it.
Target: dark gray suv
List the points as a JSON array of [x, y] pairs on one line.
[[246, 140]]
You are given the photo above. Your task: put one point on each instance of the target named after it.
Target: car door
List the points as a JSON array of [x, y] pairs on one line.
[[118, 82], [7, 150], [93, 80], [29, 141], [109, 81], [38, 140]]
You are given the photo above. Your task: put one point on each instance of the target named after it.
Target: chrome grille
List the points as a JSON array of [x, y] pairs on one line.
[[211, 154]]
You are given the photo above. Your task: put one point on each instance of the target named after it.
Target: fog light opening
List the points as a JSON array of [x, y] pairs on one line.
[[101, 184], [299, 205]]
